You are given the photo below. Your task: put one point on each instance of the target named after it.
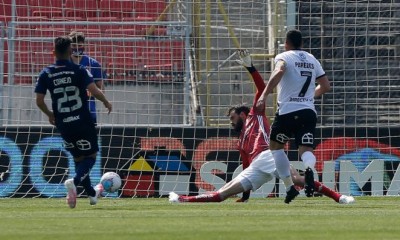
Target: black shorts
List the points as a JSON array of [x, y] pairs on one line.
[[82, 142], [300, 124]]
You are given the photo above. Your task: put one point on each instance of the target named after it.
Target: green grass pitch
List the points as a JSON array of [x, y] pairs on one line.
[[114, 219]]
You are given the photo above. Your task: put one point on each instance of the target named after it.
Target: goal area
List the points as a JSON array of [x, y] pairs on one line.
[[168, 67]]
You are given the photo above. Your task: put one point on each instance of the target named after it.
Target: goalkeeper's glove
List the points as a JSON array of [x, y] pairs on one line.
[[244, 58]]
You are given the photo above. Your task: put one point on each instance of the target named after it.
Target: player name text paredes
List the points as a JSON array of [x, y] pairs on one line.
[[304, 65]]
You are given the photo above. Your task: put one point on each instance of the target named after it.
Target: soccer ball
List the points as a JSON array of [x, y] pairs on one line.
[[111, 182]]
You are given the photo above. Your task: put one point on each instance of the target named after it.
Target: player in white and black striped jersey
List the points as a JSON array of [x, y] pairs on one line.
[[295, 76]]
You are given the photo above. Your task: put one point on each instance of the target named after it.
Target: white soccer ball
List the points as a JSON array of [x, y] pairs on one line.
[[111, 182]]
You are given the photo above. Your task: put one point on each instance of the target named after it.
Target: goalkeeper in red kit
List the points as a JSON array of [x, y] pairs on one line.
[[253, 145]]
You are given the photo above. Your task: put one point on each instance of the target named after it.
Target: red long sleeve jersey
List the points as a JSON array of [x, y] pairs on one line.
[[254, 137]]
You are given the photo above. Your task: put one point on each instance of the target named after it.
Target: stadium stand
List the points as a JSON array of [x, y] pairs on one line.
[[82, 9], [123, 60], [352, 32], [46, 8], [117, 9]]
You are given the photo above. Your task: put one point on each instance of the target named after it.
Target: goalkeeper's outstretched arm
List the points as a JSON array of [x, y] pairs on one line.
[[246, 61], [274, 79]]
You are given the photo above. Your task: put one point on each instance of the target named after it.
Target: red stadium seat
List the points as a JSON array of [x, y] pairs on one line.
[[118, 9], [25, 31], [157, 66], [81, 8], [94, 48], [55, 31], [153, 9], [75, 17], [28, 56], [102, 19], [32, 19], [33, 46], [29, 64], [160, 65], [123, 59], [157, 55], [32, 59], [47, 13], [46, 8], [23, 62], [158, 31], [104, 47], [138, 19], [5, 74], [177, 48], [123, 65], [121, 72], [6, 9], [41, 31], [5, 18], [46, 4], [23, 80], [123, 46], [121, 32], [146, 46], [41, 60], [89, 32]]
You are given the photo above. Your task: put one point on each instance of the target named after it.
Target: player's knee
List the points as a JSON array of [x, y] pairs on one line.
[[277, 152], [308, 159]]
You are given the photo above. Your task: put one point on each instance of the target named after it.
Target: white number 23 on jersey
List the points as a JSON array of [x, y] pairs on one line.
[[70, 93]]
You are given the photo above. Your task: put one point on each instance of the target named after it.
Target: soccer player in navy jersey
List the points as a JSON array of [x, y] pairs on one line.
[[253, 145], [67, 84], [79, 57]]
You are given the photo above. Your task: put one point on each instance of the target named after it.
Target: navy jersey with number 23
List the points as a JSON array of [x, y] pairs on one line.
[[67, 83]]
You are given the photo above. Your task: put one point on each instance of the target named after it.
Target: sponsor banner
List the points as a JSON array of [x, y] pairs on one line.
[[155, 161]]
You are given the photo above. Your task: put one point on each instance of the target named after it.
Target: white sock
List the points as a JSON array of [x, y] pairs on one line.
[[309, 159], [283, 167], [288, 182]]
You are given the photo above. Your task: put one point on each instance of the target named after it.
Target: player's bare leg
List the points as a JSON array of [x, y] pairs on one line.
[[319, 187], [205, 197], [283, 168], [232, 188]]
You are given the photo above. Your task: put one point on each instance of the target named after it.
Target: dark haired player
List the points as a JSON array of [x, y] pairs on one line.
[[295, 75], [258, 162], [67, 84]]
